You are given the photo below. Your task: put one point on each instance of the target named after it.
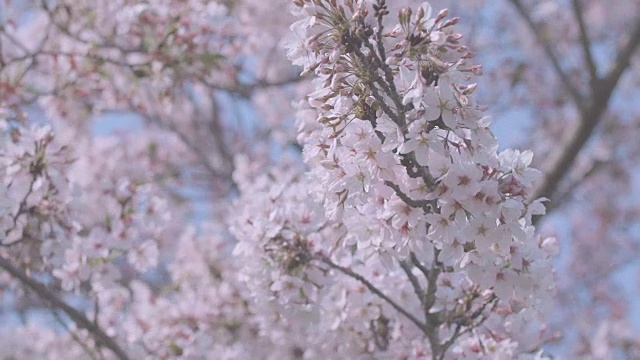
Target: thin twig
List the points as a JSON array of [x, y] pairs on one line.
[[419, 265], [426, 205], [447, 344], [584, 40], [184, 138], [245, 91], [373, 289]]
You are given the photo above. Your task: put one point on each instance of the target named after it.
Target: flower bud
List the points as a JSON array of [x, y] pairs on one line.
[[404, 18], [442, 14], [334, 56], [392, 60], [476, 70], [469, 89], [450, 22]]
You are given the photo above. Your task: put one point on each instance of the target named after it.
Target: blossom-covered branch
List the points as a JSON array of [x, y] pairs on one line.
[[171, 183], [80, 319], [405, 169]]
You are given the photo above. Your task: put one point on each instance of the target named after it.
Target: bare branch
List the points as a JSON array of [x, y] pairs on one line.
[[197, 151], [246, 90], [217, 132], [584, 40], [526, 15], [601, 91], [80, 319], [623, 59], [564, 192]]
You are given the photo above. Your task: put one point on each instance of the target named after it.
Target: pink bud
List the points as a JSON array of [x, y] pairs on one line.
[[442, 14]]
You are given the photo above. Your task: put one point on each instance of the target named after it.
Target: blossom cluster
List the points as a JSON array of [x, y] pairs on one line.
[[405, 235], [61, 215], [411, 185]]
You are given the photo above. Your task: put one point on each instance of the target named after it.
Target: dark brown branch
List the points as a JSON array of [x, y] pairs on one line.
[[584, 40], [74, 336], [246, 90], [80, 319], [623, 59], [417, 288], [419, 265], [433, 320], [526, 15], [197, 151], [426, 205], [217, 132], [447, 344], [601, 91], [565, 191]]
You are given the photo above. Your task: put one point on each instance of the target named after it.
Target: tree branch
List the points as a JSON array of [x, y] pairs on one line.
[[573, 92], [373, 289], [564, 192], [426, 272], [80, 319], [601, 91], [433, 320], [584, 41], [426, 205], [197, 151], [407, 267], [87, 349], [246, 90]]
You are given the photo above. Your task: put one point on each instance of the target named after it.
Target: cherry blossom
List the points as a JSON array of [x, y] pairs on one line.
[[231, 180]]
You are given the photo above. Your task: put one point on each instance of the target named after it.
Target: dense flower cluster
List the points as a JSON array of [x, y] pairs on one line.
[[60, 216], [406, 170]]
